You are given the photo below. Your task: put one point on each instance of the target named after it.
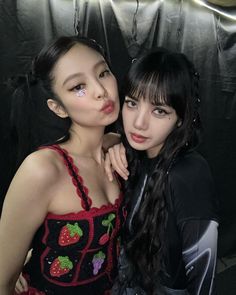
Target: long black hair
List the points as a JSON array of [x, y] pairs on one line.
[[160, 76], [33, 124]]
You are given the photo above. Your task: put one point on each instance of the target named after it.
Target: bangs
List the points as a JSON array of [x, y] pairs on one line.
[[163, 87], [151, 87]]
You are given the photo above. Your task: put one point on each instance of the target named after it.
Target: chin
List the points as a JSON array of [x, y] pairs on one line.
[[137, 147]]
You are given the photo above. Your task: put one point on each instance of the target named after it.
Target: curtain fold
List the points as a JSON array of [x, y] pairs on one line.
[[125, 29]]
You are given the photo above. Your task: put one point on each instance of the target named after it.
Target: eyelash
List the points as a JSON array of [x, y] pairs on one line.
[[161, 112], [132, 104], [78, 87], [104, 73]]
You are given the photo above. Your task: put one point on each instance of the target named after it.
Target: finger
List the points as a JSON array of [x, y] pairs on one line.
[[108, 167], [17, 290], [21, 285], [119, 168], [24, 283], [120, 158], [123, 155]]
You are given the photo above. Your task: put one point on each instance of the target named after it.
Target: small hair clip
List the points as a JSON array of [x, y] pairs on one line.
[[81, 92], [134, 60], [198, 100]]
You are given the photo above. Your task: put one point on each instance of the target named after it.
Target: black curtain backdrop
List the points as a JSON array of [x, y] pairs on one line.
[[126, 28]]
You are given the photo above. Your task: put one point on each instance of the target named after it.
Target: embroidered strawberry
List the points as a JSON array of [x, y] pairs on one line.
[[70, 234], [107, 223], [60, 266]]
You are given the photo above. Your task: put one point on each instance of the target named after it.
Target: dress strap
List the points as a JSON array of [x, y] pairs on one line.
[[77, 180]]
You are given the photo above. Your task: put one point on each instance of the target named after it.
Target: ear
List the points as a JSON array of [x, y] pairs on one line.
[[57, 108]]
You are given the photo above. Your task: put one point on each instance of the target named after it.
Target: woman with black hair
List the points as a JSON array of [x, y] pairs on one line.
[[170, 242], [60, 203]]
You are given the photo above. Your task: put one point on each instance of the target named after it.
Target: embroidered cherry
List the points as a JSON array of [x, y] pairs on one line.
[[70, 234], [104, 239], [60, 266], [107, 223], [97, 261]]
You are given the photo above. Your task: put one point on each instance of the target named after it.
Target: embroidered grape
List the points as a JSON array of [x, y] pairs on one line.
[[97, 261]]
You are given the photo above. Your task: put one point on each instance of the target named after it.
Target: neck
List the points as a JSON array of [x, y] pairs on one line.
[[87, 142]]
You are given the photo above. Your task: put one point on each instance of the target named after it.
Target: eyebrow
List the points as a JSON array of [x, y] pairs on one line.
[[133, 98], [76, 75], [159, 104]]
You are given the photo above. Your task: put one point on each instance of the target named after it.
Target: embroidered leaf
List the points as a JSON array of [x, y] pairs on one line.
[[74, 229], [65, 262], [100, 255], [105, 222], [111, 216]]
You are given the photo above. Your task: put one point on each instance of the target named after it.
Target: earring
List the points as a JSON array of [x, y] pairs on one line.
[[179, 123]]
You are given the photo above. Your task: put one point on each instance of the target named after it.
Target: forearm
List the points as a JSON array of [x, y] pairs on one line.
[[110, 139], [199, 255]]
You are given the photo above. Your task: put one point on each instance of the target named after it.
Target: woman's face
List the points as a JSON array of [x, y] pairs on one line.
[[86, 87], [146, 125]]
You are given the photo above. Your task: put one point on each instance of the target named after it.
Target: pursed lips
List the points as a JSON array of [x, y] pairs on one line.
[[108, 106]]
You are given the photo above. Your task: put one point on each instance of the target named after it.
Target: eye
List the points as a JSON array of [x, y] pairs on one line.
[[104, 73], [130, 103], [79, 90], [160, 112], [78, 87]]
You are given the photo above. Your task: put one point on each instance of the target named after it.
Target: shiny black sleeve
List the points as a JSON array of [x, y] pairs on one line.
[[195, 205], [199, 244]]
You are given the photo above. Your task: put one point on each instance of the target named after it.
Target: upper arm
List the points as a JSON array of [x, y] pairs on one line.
[[193, 190], [25, 207]]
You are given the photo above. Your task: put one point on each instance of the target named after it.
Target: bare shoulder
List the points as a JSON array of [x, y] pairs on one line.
[[42, 165], [32, 188], [37, 175]]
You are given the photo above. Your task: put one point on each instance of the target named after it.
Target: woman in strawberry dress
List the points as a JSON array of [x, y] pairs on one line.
[[60, 203]]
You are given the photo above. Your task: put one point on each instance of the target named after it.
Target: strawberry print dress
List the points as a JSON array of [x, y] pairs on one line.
[[76, 253]]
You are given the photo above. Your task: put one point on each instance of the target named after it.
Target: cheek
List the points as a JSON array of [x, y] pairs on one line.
[[125, 116], [171, 126], [113, 87]]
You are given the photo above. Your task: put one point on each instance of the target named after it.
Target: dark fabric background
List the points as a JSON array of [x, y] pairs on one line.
[[126, 28]]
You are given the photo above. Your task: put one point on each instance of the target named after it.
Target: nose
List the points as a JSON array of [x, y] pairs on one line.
[[141, 120], [99, 90]]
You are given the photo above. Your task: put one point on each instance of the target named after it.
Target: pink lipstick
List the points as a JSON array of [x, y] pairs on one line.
[[108, 107], [138, 138]]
